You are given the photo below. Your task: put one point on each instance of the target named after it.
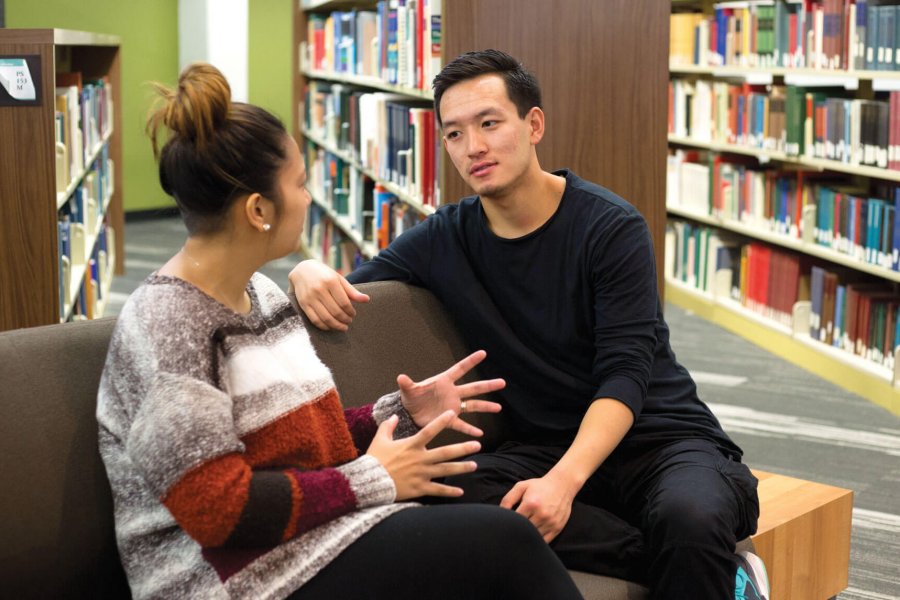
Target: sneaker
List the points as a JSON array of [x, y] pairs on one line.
[[751, 581]]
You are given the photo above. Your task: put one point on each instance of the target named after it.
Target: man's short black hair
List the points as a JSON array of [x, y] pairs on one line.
[[521, 85]]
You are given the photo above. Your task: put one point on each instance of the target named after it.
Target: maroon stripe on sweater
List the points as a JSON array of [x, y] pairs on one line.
[[362, 426], [326, 495], [228, 561]]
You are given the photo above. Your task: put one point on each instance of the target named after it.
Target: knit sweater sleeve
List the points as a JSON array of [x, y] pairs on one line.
[[365, 420], [184, 443]]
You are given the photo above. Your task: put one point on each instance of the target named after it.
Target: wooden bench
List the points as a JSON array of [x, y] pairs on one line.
[[803, 536]]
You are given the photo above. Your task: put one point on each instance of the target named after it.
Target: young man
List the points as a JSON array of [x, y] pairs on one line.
[[611, 454]]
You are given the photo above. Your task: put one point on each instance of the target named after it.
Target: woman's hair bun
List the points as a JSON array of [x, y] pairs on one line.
[[195, 109]]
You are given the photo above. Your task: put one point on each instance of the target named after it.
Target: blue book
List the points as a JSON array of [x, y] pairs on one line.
[[874, 15], [896, 330], [839, 316], [888, 15], [392, 48], [816, 285], [861, 20], [721, 32], [873, 230]]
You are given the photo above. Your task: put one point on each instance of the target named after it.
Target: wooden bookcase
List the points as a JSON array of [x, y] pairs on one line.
[[29, 201], [791, 341], [604, 85]]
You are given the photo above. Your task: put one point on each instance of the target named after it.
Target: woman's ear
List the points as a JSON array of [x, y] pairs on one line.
[[259, 212]]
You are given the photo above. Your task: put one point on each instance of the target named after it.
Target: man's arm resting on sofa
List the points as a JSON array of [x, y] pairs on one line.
[[324, 295]]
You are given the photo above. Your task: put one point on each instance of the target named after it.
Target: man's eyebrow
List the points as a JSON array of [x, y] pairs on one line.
[[484, 113]]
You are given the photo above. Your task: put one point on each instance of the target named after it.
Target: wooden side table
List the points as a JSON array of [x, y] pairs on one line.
[[803, 536]]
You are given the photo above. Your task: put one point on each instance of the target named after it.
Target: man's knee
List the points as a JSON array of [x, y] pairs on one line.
[[692, 519]]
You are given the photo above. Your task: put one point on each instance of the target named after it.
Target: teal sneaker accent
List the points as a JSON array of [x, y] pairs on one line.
[[751, 581]]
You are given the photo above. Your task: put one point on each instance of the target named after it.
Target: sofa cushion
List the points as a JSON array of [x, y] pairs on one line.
[[56, 505]]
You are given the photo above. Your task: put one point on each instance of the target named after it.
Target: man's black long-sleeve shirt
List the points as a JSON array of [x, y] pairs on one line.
[[567, 314]]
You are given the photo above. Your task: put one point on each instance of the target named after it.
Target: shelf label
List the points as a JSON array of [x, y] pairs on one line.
[[20, 78]]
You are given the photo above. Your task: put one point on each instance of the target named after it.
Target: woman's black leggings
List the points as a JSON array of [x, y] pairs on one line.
[[460, 551]]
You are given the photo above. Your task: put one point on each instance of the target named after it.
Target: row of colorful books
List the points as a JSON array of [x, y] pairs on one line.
[[818, 34], [847, 311], [329, 243], [789, 119], [85, 262], [399, 42], [83, 116], [345, 190], [368, 212], [394, 138], [855, 219]]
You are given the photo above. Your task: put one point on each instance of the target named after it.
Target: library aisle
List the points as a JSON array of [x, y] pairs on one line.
[[786, 420]]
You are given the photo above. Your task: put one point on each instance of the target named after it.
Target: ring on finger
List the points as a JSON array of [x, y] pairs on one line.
[[462, 406]]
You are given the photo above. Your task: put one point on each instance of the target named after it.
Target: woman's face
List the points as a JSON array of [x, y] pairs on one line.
[[295, 201]]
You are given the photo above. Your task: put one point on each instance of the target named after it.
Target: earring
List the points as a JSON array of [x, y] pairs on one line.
[[266, 227]]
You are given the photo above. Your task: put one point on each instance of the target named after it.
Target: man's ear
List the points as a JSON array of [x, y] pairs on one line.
[[535, 118]]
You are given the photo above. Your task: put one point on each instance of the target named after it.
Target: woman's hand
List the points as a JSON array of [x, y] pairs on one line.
[[413, 466], [428, 399]]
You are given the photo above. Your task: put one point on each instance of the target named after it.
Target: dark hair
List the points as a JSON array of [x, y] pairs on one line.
[[521, 85], [216, 150]]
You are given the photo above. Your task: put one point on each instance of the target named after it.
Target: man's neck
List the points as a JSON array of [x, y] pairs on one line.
[[527, 209]]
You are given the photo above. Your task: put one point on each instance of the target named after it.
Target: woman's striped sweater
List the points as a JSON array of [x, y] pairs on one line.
[[234, 469]]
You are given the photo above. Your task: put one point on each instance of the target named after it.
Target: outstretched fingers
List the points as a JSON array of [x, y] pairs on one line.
[[466, 364]]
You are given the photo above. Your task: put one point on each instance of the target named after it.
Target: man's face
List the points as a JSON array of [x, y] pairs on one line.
[[490, 145]]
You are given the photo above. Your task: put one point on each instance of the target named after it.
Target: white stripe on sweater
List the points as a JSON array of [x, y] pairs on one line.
[[291, 361]]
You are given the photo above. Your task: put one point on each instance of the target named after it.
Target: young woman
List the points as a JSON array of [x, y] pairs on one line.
[[235, 470]]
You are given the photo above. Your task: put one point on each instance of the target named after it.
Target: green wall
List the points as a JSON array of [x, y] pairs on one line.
[[149, 33], [269, 60]]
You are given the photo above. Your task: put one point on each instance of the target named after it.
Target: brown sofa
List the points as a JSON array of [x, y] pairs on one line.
[[57, 538]]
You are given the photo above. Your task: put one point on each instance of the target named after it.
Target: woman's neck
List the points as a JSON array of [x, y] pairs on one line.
[[215, 267]]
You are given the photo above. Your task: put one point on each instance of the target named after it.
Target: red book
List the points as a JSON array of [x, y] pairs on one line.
[[765, 263], [792, 37], [862, 323], [791, 283]]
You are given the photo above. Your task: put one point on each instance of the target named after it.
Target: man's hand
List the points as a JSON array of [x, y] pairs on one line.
[[428, 399], [324, 295], [546, 502]]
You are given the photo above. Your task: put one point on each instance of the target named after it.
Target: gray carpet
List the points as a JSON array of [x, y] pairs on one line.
[[786, 420]]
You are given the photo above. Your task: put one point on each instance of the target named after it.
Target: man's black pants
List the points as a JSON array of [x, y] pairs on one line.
[[669, 517]]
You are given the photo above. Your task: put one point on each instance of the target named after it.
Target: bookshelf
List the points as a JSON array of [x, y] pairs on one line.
[[44, 181], [783, 183], [613, 138]]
